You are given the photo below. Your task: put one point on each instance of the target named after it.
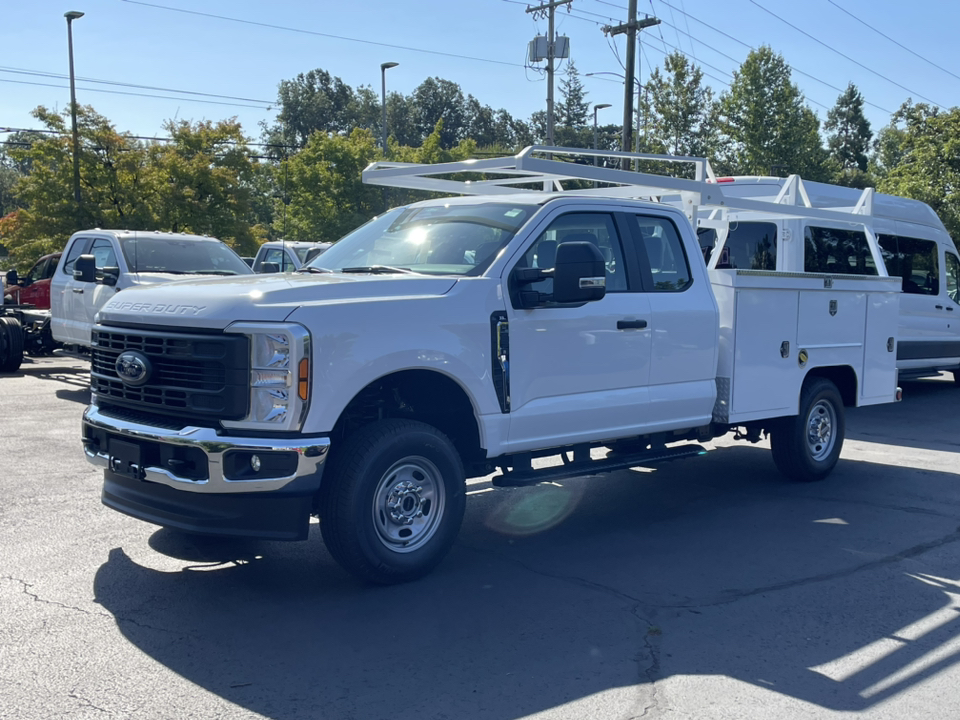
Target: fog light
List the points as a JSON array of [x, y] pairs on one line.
[[255, 463]]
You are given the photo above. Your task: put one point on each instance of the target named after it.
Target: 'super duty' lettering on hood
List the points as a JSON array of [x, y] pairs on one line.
[[156, 308]]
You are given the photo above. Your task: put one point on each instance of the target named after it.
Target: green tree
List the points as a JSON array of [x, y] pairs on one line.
[[115, 185], [680, 109], [766, 126], [573, 110], [438, 100], [205, 182], [327, 197], [849, 138], [928, 166]]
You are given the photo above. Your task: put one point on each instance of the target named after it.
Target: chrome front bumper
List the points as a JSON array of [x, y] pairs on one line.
[[311, 454]]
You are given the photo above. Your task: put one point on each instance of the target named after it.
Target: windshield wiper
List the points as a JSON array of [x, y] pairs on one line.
[[312, 269], [378, 270]]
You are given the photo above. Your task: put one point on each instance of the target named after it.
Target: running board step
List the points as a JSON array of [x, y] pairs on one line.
[[521, 478]]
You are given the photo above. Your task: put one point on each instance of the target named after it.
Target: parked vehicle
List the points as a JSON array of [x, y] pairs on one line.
[[34, 287], [911, 243], [287, 256], [454, 337], [98, 264]]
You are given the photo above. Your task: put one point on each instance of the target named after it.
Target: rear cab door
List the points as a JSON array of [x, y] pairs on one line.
[[66, 294]]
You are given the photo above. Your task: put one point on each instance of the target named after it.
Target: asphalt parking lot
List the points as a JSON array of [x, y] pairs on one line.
[[707, 588]]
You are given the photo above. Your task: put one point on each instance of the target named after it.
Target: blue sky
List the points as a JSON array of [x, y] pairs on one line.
[[482, 45]]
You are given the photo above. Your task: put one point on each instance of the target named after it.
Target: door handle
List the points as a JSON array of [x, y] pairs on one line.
[[78, 290], [939, 307], [631, 324], [949, 308]]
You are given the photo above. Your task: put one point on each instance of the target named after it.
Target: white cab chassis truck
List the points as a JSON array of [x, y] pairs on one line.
[[452, 338]]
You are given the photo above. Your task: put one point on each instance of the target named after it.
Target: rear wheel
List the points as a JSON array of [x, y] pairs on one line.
[[11, 344], [392, 505], [806, 447]]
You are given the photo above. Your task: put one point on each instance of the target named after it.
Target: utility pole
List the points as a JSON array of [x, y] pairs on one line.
[[630, 28], [548, 9]]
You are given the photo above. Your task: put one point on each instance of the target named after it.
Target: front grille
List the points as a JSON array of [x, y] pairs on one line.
[[194, 378]]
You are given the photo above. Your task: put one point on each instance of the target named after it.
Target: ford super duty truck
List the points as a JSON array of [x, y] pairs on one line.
[[458, 337]]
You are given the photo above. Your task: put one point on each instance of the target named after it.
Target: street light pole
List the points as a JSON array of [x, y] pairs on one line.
[[600, 106], [383, 79], [71, 16]]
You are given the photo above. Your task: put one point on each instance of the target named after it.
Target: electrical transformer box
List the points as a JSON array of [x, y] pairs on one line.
[[537, 48]]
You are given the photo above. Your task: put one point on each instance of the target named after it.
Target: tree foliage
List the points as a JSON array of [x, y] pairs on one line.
[[680, 109], [767, 128], [848, 139], [927, 145], [573, 111]]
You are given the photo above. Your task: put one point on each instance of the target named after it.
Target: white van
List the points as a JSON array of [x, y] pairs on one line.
[[97, 264], [914, 245]]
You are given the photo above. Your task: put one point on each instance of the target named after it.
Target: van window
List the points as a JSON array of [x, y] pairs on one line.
[[953, 277], [750, 246], [914, 260], [828, 250]]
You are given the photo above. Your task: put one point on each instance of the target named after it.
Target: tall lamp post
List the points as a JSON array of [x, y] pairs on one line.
[[383, 80], [600, 106], [71, 16]]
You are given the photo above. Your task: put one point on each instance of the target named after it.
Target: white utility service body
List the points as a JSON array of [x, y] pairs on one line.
[[451, 337]]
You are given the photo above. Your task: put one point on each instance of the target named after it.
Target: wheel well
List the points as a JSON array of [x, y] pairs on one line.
[[843, 376], [423, 395]]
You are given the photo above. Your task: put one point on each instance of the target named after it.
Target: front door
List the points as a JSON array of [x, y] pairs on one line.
[[578, 374], [67, 314]]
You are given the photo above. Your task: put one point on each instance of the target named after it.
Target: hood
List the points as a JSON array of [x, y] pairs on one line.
[[215, 303]]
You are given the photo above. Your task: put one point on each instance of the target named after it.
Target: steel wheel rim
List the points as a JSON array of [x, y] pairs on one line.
[[408, 504], [821, 430]]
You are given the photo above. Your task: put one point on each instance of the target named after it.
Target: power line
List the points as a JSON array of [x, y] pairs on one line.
[[862, 22], [58, 76], [797, 70], [320, 34], [847, 57], [141, 137], [121, 92]]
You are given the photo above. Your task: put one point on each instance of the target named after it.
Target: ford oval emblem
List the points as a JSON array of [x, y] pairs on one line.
[[133, 368]]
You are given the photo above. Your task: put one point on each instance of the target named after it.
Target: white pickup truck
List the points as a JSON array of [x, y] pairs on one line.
[[97, 264], [454, 337]]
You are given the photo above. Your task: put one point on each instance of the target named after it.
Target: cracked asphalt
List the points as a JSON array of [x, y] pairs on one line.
[[707, 588]]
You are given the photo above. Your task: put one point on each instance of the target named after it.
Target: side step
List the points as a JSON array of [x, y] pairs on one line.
[[521, 478]]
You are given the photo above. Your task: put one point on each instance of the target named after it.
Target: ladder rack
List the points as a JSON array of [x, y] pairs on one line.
[[537, 169]]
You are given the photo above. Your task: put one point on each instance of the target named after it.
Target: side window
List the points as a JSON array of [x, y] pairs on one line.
[[596, 228], [76, 250], [104, 254], [669, 266], [953, 277], [828, 250], [916, 261], [276, 255], [50, 268], [37, 272], [750, 246]]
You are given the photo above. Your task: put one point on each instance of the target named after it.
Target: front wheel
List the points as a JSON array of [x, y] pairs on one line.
[[392, 505], [806, 447]]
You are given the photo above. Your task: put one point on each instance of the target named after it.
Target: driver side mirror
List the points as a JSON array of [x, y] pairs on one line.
[[85, 269], [269, 267], [12, 278], [580, 274]]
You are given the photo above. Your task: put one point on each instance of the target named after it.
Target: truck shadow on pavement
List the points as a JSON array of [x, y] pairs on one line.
[[840, 594]]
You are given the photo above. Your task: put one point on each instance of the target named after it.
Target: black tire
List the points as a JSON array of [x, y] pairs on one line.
[[11, 345], [806, 447], [377, 482]]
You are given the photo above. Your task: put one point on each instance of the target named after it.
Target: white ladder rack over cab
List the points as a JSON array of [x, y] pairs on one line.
[[701, 197]]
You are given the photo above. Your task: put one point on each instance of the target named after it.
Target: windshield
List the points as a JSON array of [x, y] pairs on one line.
[[435, 240], [182, 257]]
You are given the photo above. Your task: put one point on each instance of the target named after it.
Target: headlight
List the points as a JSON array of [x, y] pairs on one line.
[[279, 376]]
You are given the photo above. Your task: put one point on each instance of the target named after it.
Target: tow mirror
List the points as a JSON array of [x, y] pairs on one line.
[[269, 267], [12, 278], [580, 274], [110, 276], [85, 269]]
